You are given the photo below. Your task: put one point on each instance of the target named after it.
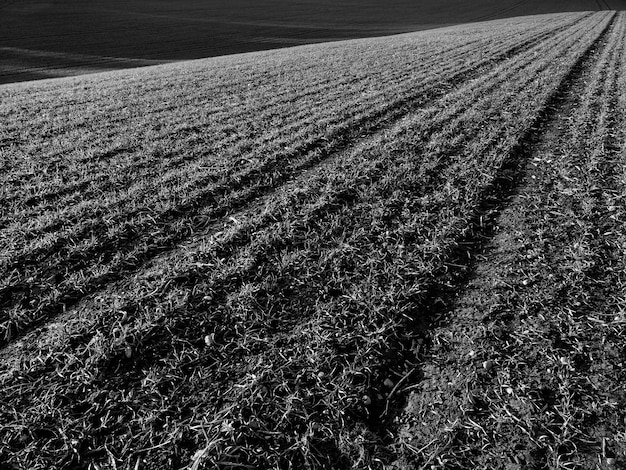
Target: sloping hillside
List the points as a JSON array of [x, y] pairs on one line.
[[53, 38], [392, 251]]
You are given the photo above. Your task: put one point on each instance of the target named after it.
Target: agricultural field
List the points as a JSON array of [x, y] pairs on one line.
[[397, 252], [55, 38]]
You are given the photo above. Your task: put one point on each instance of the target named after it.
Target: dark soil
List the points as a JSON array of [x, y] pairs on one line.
[[69, 37]]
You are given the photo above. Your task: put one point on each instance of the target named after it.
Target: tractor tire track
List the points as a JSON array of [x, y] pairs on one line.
[[454, 366]]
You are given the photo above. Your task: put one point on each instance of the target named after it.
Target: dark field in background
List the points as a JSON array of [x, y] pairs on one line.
[[42, 39]]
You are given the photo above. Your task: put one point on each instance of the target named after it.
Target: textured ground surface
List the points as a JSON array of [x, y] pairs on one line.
[[400, 251]]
